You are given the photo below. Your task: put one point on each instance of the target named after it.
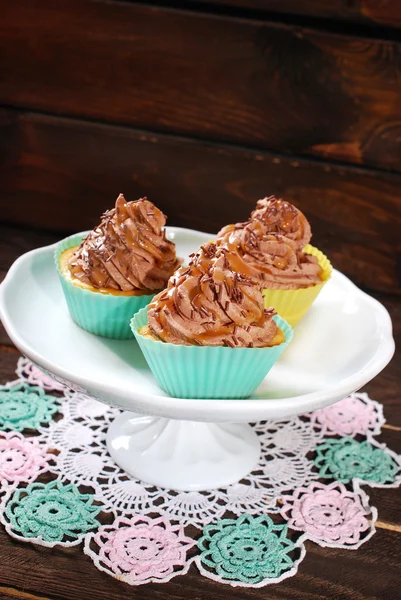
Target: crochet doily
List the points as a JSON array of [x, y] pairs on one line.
[[58, 485]]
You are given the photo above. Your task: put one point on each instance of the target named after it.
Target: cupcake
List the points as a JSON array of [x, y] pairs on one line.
[[273, 247], [117, 268], [208, 335]]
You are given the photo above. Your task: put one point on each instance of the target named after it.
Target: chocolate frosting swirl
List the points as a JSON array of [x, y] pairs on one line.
[[281, 217], [208, 304], [128, 251], [273, 259]]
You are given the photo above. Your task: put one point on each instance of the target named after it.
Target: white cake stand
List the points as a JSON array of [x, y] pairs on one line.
[[343, 342]]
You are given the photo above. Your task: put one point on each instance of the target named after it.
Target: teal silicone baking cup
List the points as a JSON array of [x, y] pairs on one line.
[[207, 371], [107, 315]]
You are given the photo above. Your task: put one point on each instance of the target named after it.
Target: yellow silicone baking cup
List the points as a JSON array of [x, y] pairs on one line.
[[292, 305]]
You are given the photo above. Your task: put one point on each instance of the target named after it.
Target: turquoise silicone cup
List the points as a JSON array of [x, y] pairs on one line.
[[106, 315], [207, 371]]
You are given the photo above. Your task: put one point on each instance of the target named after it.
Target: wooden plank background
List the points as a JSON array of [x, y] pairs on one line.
[[62, 174], [204, 113], [383, 12], [37, 573], [290, 89]]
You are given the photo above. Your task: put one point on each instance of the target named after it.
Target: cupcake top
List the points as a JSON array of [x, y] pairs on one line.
[[127, 251], [275, 260], [283, 218], [208, 304]]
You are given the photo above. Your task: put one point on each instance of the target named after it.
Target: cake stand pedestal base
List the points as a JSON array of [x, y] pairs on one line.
[[182, 455]]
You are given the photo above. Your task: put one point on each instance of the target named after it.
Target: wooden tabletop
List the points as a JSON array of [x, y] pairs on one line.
[[36, 573]]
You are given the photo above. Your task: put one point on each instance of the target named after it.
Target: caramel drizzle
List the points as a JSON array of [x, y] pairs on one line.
[[249, 253], [215, 293], [128, 250]]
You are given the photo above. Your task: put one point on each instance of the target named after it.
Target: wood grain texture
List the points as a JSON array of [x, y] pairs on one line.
[[269, 85], [369, 573], [8, 362], [377, 12], [387, 501], [8, 593], [4, 339], [15, 241], [61, 174], [386, 387]]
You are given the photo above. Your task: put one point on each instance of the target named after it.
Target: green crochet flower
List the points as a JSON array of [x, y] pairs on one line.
[[24, 406], [54, 512], [249, 549], [346, 459]]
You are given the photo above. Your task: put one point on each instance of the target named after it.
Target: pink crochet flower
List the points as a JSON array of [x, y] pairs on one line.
[[330, 514], [349, 417], [30, 373], [141, 549], [21, 459]]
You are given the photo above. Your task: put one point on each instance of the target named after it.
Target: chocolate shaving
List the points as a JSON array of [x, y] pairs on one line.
[[237, 295], [209, 250]]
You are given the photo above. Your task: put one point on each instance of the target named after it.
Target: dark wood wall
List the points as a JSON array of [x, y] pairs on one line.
[[204, 107]]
